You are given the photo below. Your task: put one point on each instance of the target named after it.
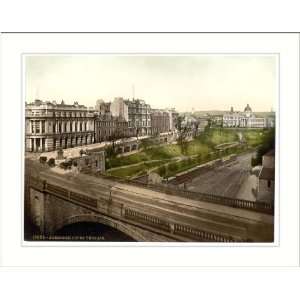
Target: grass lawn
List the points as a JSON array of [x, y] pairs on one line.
[[254, 137], [216, 136], [201, 145], [155, 153], [135, 170], [128, 160]]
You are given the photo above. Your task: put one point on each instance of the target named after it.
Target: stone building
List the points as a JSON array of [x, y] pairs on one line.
[[173, 115], [119, 108], [160, 121], [245, 119], [49, 126], [266, 178], [216, 120], [102, 108], [139, 117], [202, 124], [94, 161], [108, 128]]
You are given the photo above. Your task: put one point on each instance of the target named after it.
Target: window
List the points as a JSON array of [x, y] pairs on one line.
[[43, 126], [37, 126], [269, 183]]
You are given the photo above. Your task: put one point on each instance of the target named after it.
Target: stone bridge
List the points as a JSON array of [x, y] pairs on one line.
[[141, 212]]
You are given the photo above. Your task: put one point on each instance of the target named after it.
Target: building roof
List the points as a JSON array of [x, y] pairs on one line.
[[267, 174], [248, 108]]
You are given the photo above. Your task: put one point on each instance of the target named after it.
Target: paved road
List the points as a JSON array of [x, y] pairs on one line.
[[129, 194], [230, 180]]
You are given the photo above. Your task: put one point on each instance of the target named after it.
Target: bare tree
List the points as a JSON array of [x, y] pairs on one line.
[[182, 132], [117, 134]]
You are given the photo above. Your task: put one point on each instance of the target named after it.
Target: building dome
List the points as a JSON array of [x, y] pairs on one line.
[[247, 108]]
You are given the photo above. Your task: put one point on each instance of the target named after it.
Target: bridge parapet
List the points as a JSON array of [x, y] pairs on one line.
[[263, 207], [189, 226]]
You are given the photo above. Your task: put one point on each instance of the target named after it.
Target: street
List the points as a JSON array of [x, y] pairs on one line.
[[232, 180]]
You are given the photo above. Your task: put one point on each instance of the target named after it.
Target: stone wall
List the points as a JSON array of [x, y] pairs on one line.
[[94, 161]]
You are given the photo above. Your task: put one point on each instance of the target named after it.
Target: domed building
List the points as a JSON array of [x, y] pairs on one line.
[[245, 119], [248, 111]]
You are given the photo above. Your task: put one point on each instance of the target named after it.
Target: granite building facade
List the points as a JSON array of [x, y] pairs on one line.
[[109, 128], [160, 121], [139, 117], [50, 126], [245, 119]]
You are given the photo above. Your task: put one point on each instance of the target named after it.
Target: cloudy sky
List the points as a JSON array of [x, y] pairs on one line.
[[202, 82]]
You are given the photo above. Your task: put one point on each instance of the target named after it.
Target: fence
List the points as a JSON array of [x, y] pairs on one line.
[[262, 207], [183, 230]]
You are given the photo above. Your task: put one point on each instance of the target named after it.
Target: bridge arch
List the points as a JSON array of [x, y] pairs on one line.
[[127, 229]]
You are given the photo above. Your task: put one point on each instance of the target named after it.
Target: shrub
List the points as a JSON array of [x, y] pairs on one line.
[[110, 152], [51, 162], [43, 159], [66, 164], [63, 165], [173, 167], [162, 170]]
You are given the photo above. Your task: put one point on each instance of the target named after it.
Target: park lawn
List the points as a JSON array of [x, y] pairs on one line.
[[135, 170], [155, 153], [128, 160], [202, 145], [216, 136], [221, 136], [163, 152], [196, 147], [254, 137], [180, 166]]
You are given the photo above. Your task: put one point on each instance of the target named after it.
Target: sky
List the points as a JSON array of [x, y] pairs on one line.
[[185, 82]]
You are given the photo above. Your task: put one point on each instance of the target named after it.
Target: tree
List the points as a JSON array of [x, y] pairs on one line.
[[137, 132], [182, 132], [196, 128], [268, 143], [51, 162], [117, 134], [43, 159], [146, 143], [110, 152]]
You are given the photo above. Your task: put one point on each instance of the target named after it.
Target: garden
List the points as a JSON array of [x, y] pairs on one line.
[[168, 160]]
